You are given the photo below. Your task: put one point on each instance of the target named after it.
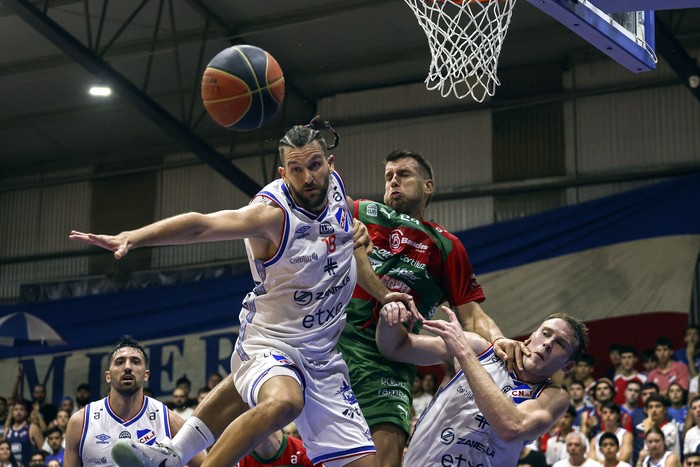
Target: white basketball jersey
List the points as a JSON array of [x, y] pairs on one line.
[[301, 292], [102, 428], [453, 432]]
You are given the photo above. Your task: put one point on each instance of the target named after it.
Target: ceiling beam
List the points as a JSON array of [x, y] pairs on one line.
[[98, 67], [682, 64]]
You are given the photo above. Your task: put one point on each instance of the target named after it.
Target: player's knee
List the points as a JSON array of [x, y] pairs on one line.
[[285, 408]]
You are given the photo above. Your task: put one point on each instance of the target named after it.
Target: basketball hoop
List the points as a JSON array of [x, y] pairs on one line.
[[465, 39]]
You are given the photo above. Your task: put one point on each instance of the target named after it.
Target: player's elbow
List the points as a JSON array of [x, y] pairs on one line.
[[510, 431]]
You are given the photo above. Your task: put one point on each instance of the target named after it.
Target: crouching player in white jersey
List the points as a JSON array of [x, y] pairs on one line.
[[126, 413], [299, 238], [484, 415]]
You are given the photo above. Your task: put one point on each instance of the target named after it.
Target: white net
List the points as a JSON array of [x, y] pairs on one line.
[[465, 39]]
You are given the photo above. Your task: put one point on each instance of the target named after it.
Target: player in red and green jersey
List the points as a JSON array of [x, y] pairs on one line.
[[418, 257]]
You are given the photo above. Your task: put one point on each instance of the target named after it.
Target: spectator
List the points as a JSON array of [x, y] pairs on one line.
[[530, 457], [46, 410], [68, 405], [556, 447], [656, 407], [649, 361], [583, 371], [610, 414], [691, 351], [577, 393], [656, 452], [185, 384], [678, 410], [667, 371], [602, 392], [691, 440], [627, 372], [7, 458], [420, 398], [56, 444], [4, 414], [609, 446], [53, 463], [83, 396], [213, 379], [24, 435], [692, 460], [429, 384], [632, 394], [179, 403], [638, 417], [614, 354], [576, 449], [38, 458]]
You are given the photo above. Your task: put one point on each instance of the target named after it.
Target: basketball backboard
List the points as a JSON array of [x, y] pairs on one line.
[[627, 37]]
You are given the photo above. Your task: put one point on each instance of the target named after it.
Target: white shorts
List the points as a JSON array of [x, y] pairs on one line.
[[331, 424]]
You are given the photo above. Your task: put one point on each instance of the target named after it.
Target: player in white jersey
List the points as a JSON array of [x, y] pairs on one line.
[[126, 413], [299, 237], [485, 415]]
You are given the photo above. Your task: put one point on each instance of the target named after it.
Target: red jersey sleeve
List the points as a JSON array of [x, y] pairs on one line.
[[459, 282]]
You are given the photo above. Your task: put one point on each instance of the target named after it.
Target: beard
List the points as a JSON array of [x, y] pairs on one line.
[[311, 203]]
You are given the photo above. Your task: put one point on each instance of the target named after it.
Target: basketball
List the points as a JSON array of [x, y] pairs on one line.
[[242, 87]]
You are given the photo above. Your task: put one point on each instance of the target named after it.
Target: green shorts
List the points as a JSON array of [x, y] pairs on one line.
[[384, 388]]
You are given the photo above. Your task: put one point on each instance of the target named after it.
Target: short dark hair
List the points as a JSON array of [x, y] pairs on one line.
[[611, 406], [610, 436], [656, 398], [51, 430], [299, 136], [580, 331], [664, 342], [578, 383], [183, 380], [128, 341], [615, 347], [650, 385], [425, 166], [629, 349], [658, 431], [585, 358], [85, 386]]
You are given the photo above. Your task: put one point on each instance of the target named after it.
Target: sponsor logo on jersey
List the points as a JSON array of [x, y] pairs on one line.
[[283, 359], [342, 217], [102, 438], [321, 317], [397, 238], [95, 460], [386, 213], [447, 436], [375, 263], [124, 435], [382, 253], [415, 263], [147, 436], [474, 444], [395, 284], [403, 273], [371, 210], [392, 394], [325, 228], [304, 258], [346, 393], [521, 393], [465, 391], [304, 297], [330, 266], [302, 232]]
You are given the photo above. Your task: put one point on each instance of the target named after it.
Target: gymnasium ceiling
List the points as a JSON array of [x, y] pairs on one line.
[[47, 62]]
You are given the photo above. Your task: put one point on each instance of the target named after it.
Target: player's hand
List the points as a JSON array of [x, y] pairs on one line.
[[412, 315], [451, 332], [361, 238], [511, 352], [119, 244], [393, 313]]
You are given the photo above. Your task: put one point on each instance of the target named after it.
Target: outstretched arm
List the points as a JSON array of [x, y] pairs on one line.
[[256, 220], [511, 422]]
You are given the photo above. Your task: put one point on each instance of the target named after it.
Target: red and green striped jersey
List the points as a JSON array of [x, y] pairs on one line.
[[416, 257]]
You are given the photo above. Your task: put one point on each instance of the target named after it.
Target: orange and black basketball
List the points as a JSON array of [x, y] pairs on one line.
[[242, 87]]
